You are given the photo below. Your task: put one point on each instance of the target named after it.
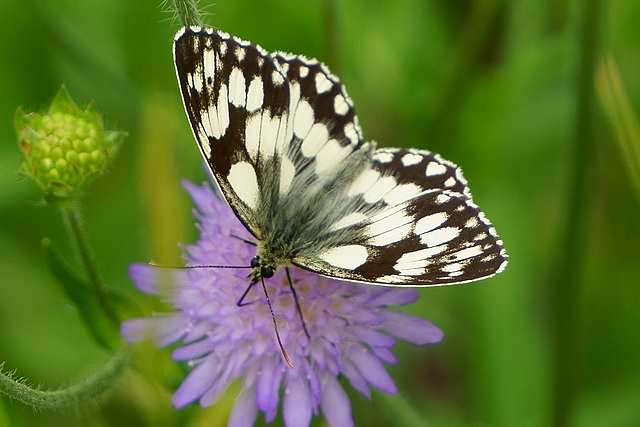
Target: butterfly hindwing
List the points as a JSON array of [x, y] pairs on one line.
[[412, 222]]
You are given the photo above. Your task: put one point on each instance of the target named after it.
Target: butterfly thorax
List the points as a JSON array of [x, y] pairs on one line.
[[297, 225]]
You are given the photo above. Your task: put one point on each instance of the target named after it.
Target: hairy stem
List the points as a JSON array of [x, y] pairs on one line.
[[187, 11], [88, 388]]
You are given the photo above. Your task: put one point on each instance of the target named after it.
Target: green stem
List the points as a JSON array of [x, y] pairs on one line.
[[86, 389], [567, 286], [187, 11], [70, 212]]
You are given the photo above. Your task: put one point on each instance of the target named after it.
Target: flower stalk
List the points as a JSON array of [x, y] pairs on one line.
[[88, 388]]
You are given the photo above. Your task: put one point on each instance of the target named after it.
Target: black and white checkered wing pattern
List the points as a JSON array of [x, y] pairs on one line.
[[282, 139], [262, 120], [414, 223]]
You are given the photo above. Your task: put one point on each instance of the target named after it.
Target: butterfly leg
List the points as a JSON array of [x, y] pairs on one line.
[[249, 241], [241, 302]]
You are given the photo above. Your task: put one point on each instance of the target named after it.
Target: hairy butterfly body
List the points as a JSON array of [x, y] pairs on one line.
[[282, 140]]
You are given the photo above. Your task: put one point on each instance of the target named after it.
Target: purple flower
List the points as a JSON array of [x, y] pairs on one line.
[[352, 329]]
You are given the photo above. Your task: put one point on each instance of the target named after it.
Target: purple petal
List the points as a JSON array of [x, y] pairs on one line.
[[385, 354], [156, 280], [396, 297], [372, 370], [201, 195], [335, 403], [356, 379], [409, 328], [372, 337], [162, 329], [269, 381], [192, 351], [296, 408], [245, 410], [197, 382]]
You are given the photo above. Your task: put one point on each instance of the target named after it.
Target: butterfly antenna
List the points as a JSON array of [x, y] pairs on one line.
[[154, 264], [275, 325], [295, 298]]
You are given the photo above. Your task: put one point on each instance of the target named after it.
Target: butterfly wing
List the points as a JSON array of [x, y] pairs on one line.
[[282, 139], [412, 222], [261, 119]]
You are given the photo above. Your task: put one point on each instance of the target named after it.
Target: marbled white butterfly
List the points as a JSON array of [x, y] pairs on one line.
[[282, 139]]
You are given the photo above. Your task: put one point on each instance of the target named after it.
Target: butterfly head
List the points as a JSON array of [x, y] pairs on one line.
[[261, 269]]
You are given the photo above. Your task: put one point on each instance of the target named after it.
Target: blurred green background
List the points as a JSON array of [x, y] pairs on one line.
[[540, 110]]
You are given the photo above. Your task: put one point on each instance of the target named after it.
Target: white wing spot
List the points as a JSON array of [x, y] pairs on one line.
[[303, 71], [435, 168], [340, 106], [450, 182], [410, 159], [287, 172], [323, 84], [303, 120], [471, 222], [252, 135], [237, 88], [418, 259], [269, 129], [222, 112], [195, 81], [402, 193], [429, 222], [441, 199], [348, 257], [209, 61], [352, 219], [383, 157], [318, 135], [439, 236], [243, 180], [255, 95], [330, 155], [277, 79], [379, 189], [363, 182], [223, 49], [240, 53], [467, 253], [351, 133], [390, 229]]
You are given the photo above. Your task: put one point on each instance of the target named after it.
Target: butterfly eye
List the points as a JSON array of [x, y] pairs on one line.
[[267, 272], [255, 262]]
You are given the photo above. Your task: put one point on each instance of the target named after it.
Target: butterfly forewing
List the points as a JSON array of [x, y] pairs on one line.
[[282, 139]]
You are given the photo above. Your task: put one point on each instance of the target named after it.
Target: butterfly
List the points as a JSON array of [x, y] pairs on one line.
[[282, 140]]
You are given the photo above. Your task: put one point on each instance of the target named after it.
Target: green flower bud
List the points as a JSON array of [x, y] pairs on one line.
[[66, 148]]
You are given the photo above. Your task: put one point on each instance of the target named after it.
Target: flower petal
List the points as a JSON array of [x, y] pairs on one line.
[[269, 380], [296, 408], [200, 194], [162, 329], [409, 328], [335, 403], [245, 410], [372, 370], [396, 297], [197, 382]]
